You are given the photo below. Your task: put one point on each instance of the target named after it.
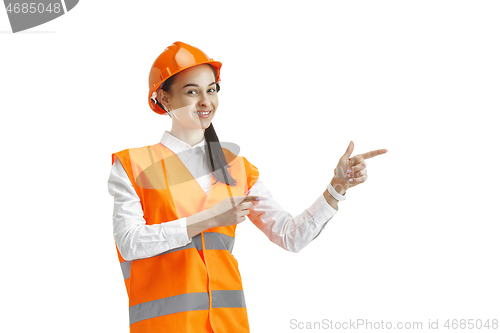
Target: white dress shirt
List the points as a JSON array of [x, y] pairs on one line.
[[137, 240]]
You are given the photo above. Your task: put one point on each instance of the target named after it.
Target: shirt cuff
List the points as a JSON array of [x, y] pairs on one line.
[[175, 232]]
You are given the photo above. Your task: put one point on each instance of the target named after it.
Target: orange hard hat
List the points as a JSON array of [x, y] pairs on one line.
[[174, 59]]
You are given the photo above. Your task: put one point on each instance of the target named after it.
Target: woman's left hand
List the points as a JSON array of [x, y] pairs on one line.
[[352, 171]]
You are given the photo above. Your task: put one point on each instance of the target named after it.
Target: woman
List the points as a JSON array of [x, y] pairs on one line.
[[177, 204]]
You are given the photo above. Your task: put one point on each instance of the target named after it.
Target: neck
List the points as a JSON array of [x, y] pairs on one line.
[[191, 136]]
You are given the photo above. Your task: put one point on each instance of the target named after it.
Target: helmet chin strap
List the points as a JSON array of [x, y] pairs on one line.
[[166, 110]]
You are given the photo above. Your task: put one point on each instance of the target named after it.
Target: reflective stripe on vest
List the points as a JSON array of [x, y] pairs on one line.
[[213, 241], [197, 287], [186, 302]]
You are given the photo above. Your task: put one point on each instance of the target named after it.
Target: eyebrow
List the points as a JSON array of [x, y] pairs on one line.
[[195, 85]]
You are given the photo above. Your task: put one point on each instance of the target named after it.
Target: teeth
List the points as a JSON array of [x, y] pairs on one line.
[[203, 112]]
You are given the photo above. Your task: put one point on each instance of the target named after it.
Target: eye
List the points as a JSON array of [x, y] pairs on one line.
[[212, 90], [192, 92]]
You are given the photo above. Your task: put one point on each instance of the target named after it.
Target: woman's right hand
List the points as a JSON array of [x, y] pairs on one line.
[[351, 171], [232, 210]]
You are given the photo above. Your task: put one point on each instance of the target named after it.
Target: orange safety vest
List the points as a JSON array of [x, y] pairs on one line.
[[195, 288]]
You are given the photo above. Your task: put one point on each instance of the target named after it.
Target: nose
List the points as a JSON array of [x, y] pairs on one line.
[[204, 100]]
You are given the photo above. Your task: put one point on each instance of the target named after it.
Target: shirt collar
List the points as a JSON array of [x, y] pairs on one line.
[[177, 145]]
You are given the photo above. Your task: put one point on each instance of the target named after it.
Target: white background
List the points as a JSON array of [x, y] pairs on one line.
[[417, 241]]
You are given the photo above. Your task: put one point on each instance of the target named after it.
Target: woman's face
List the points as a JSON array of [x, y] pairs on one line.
[[193, 91]]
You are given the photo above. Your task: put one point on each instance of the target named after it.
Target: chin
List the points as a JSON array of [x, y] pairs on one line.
[[206, 125]]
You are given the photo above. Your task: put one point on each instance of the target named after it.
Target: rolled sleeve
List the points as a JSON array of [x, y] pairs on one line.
[[321, 210]]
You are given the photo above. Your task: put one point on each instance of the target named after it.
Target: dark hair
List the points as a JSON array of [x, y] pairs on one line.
[[218, 161]]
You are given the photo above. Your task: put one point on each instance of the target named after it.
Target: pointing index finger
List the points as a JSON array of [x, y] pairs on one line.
[[374, 153]]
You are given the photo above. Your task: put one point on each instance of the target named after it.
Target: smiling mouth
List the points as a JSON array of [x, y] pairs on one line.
[[203, 113]]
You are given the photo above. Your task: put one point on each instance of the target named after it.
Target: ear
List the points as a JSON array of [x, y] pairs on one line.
[[163, 98]]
